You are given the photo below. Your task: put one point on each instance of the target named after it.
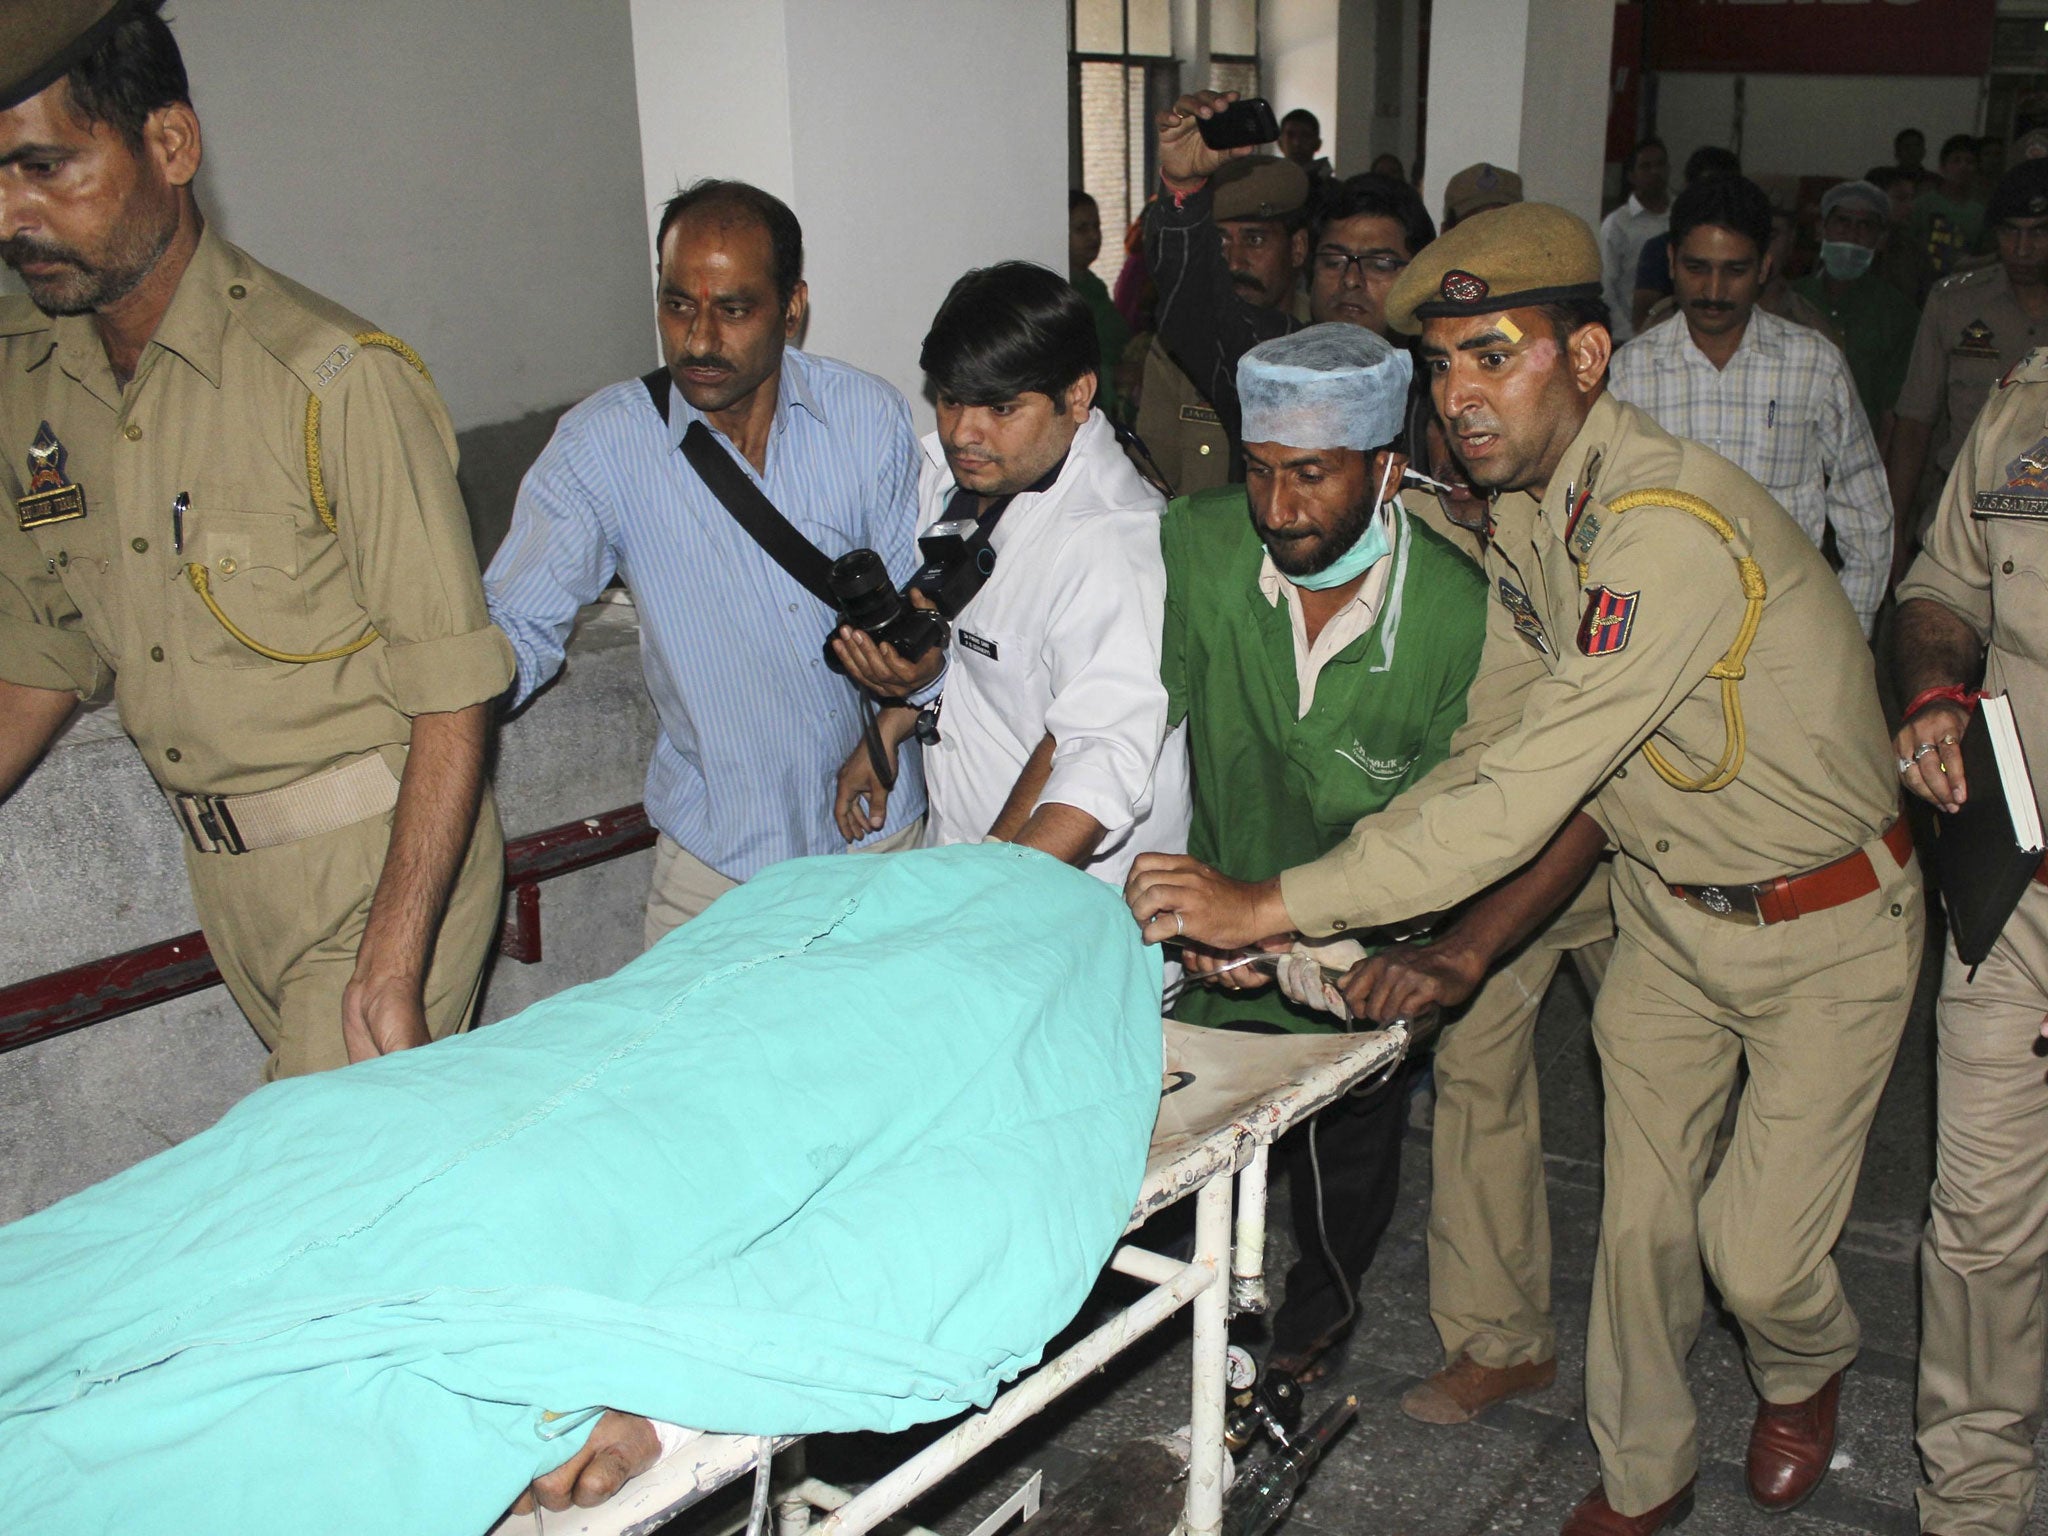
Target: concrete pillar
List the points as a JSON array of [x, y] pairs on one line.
[[914, 140], [1522, 83]]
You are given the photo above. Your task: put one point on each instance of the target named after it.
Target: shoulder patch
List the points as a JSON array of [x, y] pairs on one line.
[[1609, 619]]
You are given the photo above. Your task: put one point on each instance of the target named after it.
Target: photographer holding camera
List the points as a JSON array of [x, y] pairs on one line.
[[710, 486], [1046, 719]]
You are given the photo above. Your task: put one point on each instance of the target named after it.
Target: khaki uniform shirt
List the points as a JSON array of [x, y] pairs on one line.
[[1985, 555], [1971, 332], [1818, 779], [217, 410], [1180, 429]]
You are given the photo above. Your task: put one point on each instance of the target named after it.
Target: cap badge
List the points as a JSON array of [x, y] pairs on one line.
[[1464, 288]]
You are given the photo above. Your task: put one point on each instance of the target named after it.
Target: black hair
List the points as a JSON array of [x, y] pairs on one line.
[[1382, 197], [1303, 115], [1908, 133], [1569, 315], [1628, 164], [785, 235], [1733, 203], [1076, 197], [1011, 329], [136, 69], [1954, 143], [1710, 161]]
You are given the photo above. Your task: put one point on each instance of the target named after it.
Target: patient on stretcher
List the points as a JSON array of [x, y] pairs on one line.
[[841, 1154]]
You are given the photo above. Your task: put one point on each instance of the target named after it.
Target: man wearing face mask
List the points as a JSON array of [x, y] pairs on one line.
[[1048, 725], [1875, 320], [1774, 397]]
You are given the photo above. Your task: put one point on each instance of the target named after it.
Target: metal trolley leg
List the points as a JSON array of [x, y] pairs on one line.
[[1204, 1515]]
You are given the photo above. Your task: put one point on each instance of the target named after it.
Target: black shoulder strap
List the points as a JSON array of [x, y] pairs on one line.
[[806, 564]]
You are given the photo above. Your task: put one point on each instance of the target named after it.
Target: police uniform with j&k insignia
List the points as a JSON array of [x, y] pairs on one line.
[[1690, 674], [1983, 1332], [167, 543]]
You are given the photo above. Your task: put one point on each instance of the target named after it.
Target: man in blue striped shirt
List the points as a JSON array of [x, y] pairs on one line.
[[754, 725]]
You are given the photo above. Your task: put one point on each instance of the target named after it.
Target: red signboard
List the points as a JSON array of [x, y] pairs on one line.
[[1823, 37]]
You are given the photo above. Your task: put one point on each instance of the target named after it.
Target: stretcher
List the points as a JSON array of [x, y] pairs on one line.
[[1226, 1098]]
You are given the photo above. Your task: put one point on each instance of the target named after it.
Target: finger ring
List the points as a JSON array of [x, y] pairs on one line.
[[1925, 748], [1178, 928], [1905, 763]]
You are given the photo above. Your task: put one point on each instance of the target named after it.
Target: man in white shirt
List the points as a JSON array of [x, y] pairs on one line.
[[1047, 726], [1625, 231], [1775, 398]]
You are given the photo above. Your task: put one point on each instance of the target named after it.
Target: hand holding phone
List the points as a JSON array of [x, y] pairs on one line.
[[1240, 125], [1185, 158]]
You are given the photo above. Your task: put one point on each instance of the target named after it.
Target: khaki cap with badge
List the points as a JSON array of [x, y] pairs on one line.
[[1258, 187], [41, 41], [1503, 258], [1478, 188]]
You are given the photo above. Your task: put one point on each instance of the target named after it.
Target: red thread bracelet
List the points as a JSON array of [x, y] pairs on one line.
[[1965, 698]]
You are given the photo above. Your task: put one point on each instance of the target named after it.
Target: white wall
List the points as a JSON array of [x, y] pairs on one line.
[[1813, 125], [466, 178], [1523, 84], [913, 138]]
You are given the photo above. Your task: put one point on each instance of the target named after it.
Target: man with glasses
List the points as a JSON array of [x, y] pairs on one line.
[[1367, 229], [1976, 327]]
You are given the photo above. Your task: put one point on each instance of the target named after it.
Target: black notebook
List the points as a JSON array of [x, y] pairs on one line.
[[1987, 852]]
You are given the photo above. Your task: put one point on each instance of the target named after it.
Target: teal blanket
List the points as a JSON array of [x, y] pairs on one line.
[[842, 1154]]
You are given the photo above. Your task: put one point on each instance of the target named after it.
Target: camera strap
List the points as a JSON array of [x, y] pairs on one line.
[[808, 566]]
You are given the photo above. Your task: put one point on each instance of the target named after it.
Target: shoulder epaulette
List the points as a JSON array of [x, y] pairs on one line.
[[2031, 369], [1958, 280], [313, 338]]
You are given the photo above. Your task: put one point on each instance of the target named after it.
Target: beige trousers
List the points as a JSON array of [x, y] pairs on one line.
[[1984, 1257], [684, 885], [1815, 1007], [284, 925], [1489, 1223]]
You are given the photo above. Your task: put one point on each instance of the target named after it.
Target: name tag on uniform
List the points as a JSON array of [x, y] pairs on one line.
[[1201, 413], [2026, 489], [51, 497], [975, 643]]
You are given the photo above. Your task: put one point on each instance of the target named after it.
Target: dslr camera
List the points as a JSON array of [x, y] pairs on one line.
[[957, 564]]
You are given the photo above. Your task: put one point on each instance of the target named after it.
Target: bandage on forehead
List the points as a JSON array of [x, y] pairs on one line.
[[1328, 386]]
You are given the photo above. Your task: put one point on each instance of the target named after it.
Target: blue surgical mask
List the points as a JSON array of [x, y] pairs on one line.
[[1372, 547], [1845, 259]]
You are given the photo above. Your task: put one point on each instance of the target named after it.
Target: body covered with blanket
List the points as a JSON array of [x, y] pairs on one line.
[[841, 1154]]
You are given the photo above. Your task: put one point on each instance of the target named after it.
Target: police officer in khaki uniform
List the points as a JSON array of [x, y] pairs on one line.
[[1478, 188], [1724, 731], [1976, 326], [1261, 207], [234, 504], [1978, 597]]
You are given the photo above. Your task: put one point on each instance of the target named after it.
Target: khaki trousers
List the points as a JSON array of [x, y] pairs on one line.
[[1815, 1007], [1984, 1257], [284, 925], [684, 885], [1489, 1222]]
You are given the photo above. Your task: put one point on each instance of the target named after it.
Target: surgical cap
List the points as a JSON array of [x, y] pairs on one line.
[[1855, 194], [1329, 386]]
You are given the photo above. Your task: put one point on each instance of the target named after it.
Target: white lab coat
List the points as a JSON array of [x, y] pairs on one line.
[[1064, 639]]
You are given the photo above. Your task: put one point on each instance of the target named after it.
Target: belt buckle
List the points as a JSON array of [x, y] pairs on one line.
[[1734, 903], [210, 824]]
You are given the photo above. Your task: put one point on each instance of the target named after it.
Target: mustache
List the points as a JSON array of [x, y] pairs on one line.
[[1246, 281], [709, 360], [1474, 422], [20, 249]]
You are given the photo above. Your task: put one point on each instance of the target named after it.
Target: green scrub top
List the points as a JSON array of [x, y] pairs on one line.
[[1273, 791], [1877, 324]]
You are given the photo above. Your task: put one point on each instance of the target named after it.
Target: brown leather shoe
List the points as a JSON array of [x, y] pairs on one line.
[[1790, 1447], [1596, 1517], [1464, 1389]]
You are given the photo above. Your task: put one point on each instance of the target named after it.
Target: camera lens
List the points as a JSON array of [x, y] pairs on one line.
[[867, 598]]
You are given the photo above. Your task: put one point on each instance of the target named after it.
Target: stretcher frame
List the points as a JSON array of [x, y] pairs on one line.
[[1232, 1096]]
